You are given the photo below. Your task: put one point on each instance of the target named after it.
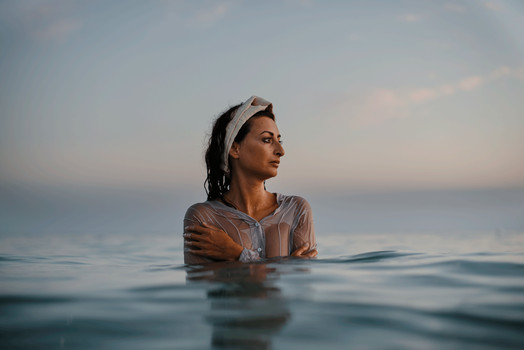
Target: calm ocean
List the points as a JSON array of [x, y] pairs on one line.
[[407, 273]]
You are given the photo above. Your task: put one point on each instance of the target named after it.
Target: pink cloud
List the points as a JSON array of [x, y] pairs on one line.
[[500, 72], [51, 20], [519, 73], [58, 30], [379, 105], [492, 6], [410, 17], [470, 83], [424, 94], [453, 7], [303, 3], [376, 107], [212, 15], [447, 89], [385, 97]]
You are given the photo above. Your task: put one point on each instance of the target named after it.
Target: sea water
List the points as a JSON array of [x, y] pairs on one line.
[[407, 290], [102, 268]]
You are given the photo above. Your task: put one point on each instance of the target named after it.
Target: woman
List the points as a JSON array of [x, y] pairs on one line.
[[240, 219]]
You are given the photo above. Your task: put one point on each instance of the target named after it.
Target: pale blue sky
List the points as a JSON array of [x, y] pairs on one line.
[[368, 94]]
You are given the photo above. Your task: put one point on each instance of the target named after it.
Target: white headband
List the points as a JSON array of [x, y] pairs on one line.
[[249, 108]]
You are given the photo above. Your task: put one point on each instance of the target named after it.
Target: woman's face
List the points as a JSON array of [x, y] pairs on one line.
[[259, 153]]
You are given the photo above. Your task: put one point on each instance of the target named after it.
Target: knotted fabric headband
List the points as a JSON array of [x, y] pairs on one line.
[[242, 114]]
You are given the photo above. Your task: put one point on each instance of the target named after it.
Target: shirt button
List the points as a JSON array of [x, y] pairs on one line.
[[257, 224], [259, 250]]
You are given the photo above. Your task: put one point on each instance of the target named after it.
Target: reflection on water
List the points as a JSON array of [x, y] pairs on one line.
[[247, 308]]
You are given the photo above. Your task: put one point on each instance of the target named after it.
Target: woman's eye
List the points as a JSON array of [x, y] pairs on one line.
[[266, 140]]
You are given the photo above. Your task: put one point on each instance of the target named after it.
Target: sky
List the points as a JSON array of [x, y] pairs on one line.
[[368, 95]]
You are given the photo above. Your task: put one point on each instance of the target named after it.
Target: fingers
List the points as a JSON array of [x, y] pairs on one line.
[[304, 252], [195, 229], [208, 253], [198, 252], [196, 233], [301, 250], [201, 229], [192, 244], [192, 237], [206, 240], [311, 254], [196, 246]]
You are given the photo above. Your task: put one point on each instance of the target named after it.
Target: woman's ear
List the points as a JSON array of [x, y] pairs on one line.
[[234, 151]]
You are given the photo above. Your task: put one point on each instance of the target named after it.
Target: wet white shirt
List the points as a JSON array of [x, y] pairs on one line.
[[289, 227]]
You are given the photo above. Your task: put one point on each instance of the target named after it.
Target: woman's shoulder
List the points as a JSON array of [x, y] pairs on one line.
[[202, 207], [295, 200]]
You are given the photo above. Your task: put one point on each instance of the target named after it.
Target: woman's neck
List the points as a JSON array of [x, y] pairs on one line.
[[251, 198]]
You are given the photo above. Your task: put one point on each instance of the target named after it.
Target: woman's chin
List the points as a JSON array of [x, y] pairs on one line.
[[273, 172], [269, 175]]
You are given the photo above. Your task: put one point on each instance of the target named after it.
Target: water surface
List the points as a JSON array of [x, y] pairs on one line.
[[365, 291]]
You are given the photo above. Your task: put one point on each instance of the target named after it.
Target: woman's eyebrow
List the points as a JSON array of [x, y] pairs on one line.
[[269, 132]]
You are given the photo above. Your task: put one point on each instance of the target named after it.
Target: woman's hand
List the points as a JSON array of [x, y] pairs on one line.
[[304, 252], [211, 242]]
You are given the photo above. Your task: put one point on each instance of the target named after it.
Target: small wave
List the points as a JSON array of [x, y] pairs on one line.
[[484, 268], [68, 262], [160, 288], [33, 299], [19, 258], [40, 259], [368, 257], [164, 267]]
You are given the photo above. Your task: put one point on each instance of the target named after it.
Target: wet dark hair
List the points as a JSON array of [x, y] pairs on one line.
[[217, 181]]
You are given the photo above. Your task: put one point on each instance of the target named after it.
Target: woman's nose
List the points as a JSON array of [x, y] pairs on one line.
[[280, 150]]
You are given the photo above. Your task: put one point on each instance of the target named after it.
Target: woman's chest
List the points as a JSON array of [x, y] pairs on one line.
[[269, 238]]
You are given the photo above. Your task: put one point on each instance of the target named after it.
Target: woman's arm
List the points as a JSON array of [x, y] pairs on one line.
[[211, 242], [204, 243], [304, 242], [192, 217], [208, 241]]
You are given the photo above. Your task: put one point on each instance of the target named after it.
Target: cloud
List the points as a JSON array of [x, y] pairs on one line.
[[410, 17], [454, 7], [380, 105], [354, 37], [302, 3], [374, 107], [492, 6], [53, 20], [212, 15], [58, 30], [466, 84], [470, 83], [447, 89], [423, 94], [519, 73], [196, 14], [500, 72]]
